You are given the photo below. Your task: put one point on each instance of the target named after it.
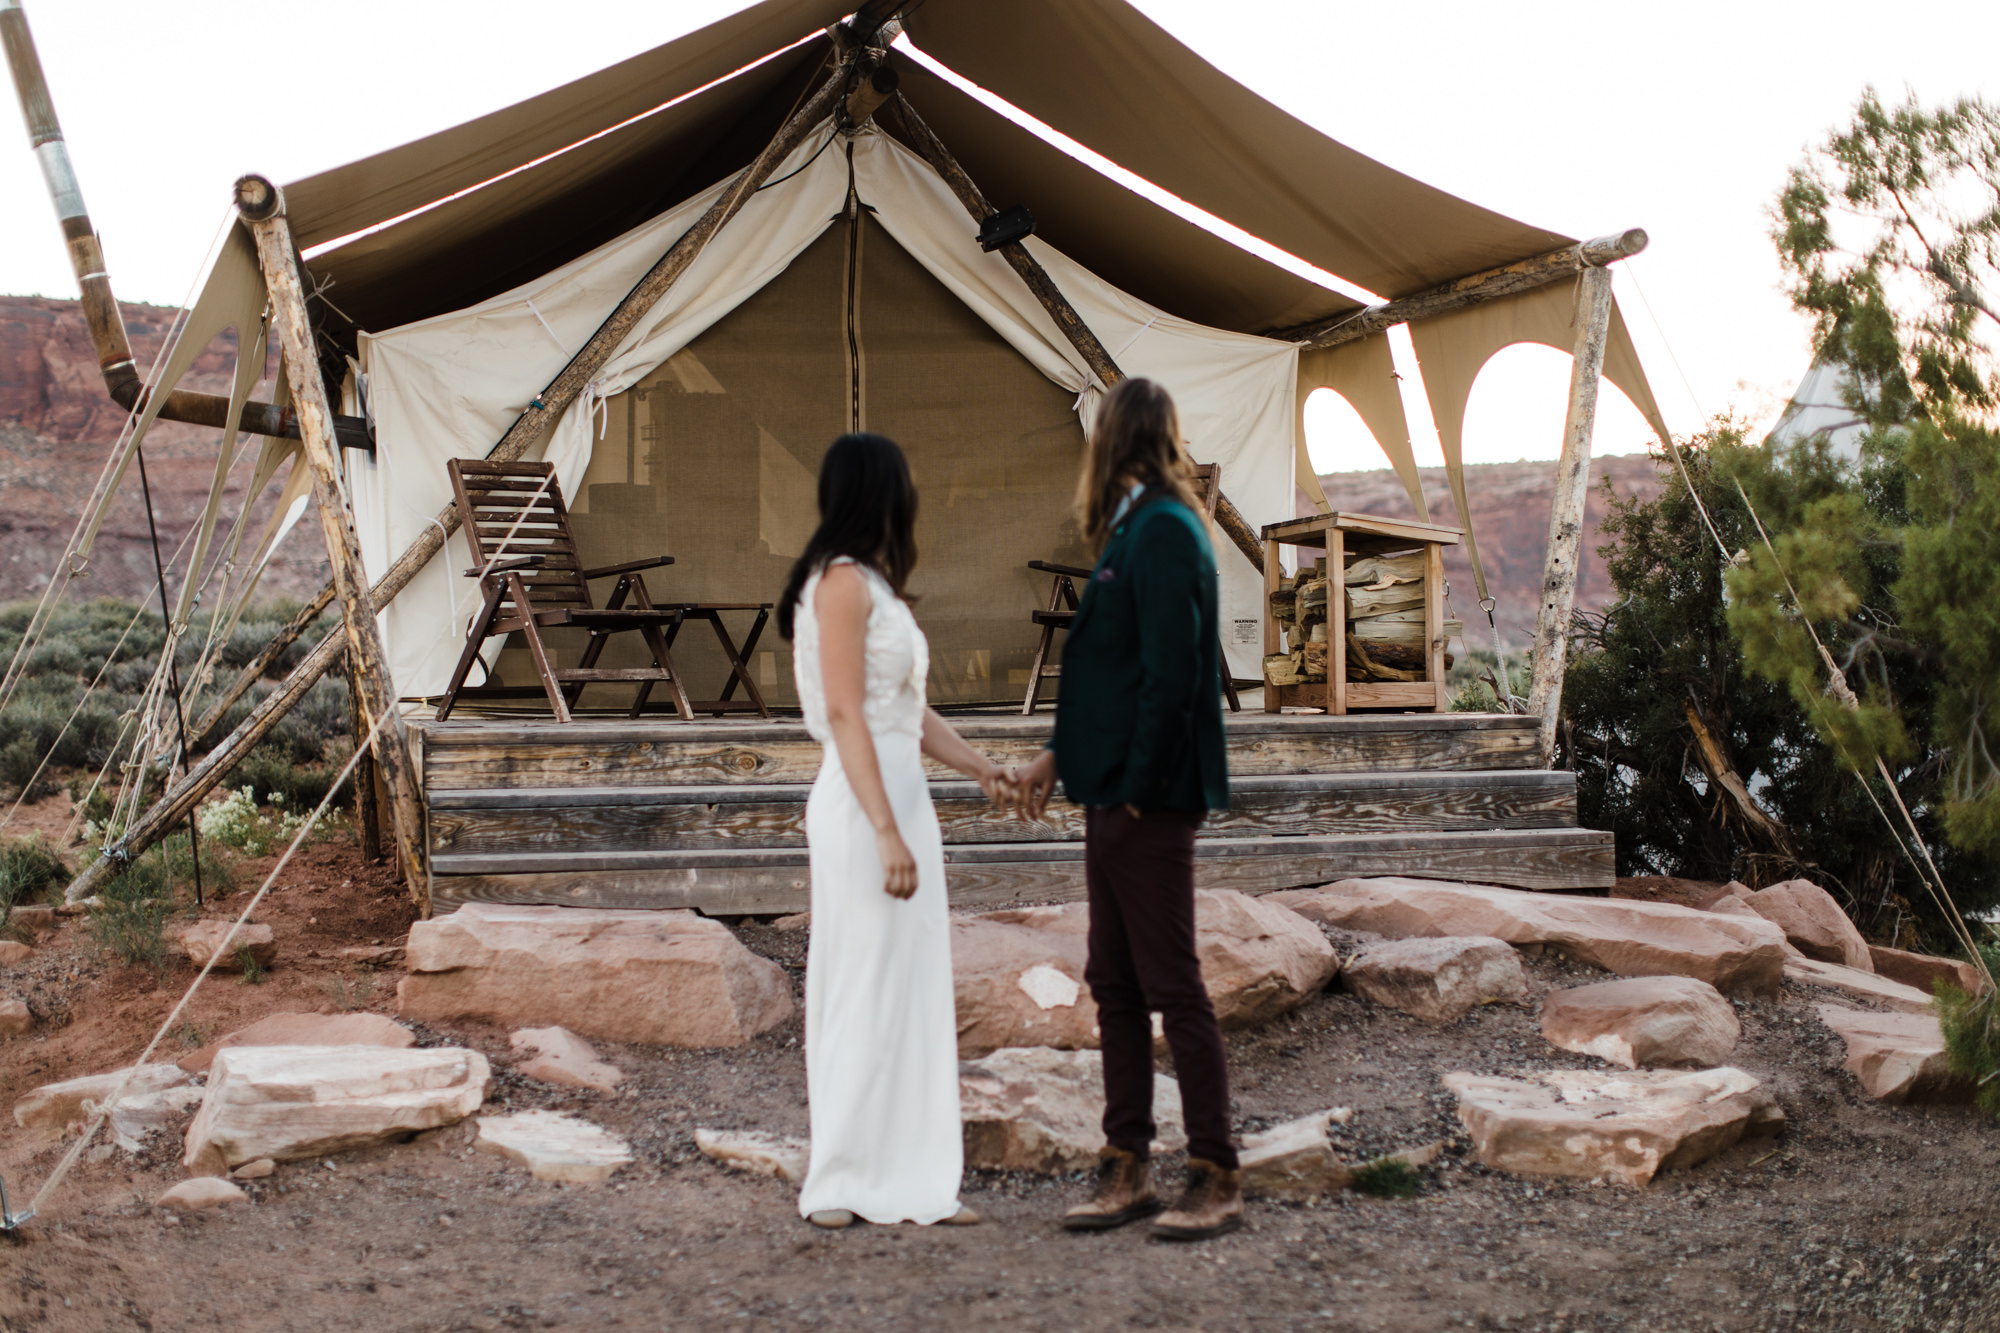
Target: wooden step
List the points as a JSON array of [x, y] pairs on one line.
[[493, 753], [583, 820], [767, 881]]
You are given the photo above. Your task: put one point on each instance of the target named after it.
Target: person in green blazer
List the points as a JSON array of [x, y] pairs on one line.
[[1138, 743]]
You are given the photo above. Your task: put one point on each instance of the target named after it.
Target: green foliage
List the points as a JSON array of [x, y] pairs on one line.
[[29, 868], [1971, 1027], [247, 964], [1889, 235], [140, 900], [1387, 1178], [1669, 653], [235, 821], [1473, 676]]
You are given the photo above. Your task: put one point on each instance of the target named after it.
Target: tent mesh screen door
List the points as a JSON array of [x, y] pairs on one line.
[[713, 460]]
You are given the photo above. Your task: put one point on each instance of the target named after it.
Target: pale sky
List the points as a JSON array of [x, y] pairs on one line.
[[1580, 118]]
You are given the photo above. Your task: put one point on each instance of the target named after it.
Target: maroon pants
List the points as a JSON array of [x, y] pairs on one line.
[[1140, 870]]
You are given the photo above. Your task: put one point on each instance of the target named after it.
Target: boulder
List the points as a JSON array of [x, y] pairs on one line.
[[1924, 971], [16, 1019], [1867, 985], [1035, 1109], [1018, 973], [135, 1119], [295, 1029], [1813, 922], [565, 1058], [1621, 935], [200, 941], [1615, 1127], [54, 1107], [1438, 979], [288, 1102], [1638, 1021], [201, 1194], [260, 1169], [1295, 1160], [752, 1150], [1897, 1058], [13, 952], [1017, 978], [554, 1146], [666, 978]]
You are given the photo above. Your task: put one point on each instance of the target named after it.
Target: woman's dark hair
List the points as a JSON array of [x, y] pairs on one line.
[[867, 512], [1136, 437]]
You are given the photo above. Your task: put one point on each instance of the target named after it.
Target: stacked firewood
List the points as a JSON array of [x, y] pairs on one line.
[[1385, 621]]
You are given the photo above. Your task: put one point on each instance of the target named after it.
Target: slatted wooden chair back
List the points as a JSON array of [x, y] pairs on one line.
[[516, 510]]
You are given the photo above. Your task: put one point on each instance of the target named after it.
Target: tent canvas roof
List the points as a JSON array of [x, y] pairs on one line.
[[1097, 70]]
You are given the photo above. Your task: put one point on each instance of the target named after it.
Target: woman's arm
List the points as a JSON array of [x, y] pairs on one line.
[[949, 748], [841, 604]]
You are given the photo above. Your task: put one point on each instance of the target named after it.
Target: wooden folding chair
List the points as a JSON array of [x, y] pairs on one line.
[[532, 580], [1061, 610]]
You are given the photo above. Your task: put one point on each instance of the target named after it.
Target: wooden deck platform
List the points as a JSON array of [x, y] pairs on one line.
[[710, 815]]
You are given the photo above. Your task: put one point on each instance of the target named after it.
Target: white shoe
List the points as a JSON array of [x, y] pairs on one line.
[[832, 1219]]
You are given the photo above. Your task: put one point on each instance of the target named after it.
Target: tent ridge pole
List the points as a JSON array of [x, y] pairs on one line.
[[1552, 615], [928, 146], [1474, 289]]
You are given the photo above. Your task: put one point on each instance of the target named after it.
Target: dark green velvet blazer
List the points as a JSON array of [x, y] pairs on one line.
[[1139, 714]]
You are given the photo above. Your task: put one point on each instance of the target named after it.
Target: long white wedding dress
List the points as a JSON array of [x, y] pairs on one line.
[[881, 1031]]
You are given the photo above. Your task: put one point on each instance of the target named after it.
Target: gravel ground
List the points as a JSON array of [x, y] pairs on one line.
[[1860, 1217]]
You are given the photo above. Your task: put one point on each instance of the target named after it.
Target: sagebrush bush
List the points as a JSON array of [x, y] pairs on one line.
[[1971, 1026], [29, 868]]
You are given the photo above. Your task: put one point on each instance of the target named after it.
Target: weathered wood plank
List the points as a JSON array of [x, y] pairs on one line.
[[534, 754], [588, 819], [769, 883]]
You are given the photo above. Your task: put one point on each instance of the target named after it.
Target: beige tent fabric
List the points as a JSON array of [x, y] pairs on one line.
[[370, 191], [1109, 77], [1123, 238], [1454, 348], [514, 230], [1364, 373], [449, 386]]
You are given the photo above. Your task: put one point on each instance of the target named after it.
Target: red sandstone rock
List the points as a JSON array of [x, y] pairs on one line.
[[670, 978], [1896, 1058], [1813, 922], [201, 940], [1637, 1021], [1923, 970], [1733, 954], [562, 1057], [1438, 979]]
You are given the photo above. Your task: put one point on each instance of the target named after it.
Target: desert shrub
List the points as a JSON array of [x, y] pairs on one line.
[[1387, 1178], [1971, 1026], [1472, 674], [140, 899], [29, 868]]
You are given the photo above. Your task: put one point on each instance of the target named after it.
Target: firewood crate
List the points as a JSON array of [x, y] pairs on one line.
[[1362, 624]]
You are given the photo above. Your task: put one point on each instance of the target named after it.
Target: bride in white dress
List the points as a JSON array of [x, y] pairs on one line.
[[881, 1029]]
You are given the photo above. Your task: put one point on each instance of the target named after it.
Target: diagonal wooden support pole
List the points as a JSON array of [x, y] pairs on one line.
[[202, 777], [928, 146], [1593, 322], [262, 207]]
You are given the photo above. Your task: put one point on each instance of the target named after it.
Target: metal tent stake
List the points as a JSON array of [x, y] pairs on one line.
[[10, 1220]]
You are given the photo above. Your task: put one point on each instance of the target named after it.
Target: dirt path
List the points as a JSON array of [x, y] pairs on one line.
[[1862, 1217]]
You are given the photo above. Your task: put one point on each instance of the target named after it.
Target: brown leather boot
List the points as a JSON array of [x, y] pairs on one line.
[[1124, 1194], [1211, 1205]]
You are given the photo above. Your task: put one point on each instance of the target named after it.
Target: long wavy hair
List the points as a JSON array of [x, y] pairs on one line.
[[1136, 438], [867, 512]]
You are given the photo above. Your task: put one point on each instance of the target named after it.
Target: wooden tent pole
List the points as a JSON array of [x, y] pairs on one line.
[[262, 206], [1474, 289], [1551, 652], [929, 147], [201, 778]]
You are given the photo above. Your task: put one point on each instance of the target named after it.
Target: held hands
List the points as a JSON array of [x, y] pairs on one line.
[[1029, 786]]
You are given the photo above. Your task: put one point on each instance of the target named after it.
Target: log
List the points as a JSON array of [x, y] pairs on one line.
[[1474, 289], [262, 206], [1363, 603], [928, 146], [1381, 571], [1551, 649], [202, 778]]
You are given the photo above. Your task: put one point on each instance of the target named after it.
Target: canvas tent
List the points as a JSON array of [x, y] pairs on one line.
[[466, 308]]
